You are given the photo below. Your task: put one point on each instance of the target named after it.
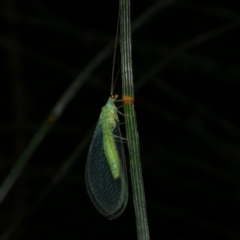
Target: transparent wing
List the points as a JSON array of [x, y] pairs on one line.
[[109, 195]]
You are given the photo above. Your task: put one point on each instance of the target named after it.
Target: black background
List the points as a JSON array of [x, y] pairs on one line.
[[187, 111]]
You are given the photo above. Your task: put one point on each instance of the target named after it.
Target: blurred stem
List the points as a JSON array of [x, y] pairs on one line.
[[51, 119], [131, 122]]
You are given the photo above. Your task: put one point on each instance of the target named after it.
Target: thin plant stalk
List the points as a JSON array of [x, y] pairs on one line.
[[131, 122]]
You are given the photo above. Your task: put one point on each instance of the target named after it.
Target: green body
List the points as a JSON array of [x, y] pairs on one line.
[[109, 119]]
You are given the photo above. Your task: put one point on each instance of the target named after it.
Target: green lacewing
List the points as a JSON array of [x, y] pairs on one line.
[[106, 175]]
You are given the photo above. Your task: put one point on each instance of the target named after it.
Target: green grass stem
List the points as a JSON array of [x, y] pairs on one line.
[[131, 122]]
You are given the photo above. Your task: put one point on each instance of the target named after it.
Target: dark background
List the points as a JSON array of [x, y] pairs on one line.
[[186, 70]]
